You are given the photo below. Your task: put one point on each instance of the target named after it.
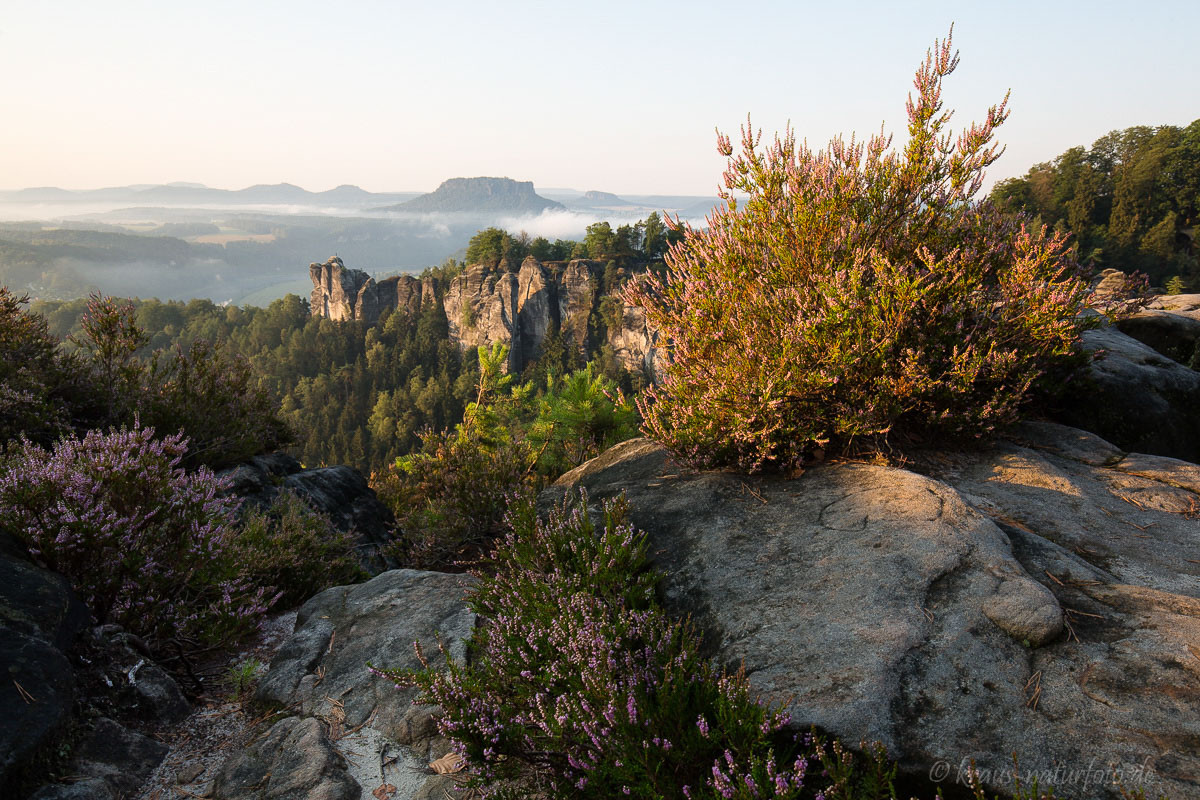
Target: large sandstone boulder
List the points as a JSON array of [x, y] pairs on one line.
[[948, 623], [358, 731], [1136, 398], [1171, 325]]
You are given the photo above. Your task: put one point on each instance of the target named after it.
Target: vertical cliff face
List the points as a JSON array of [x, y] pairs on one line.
[[481, 308], [335, 289], [537, 307], [484, 305], [634, 344], [575, 300]]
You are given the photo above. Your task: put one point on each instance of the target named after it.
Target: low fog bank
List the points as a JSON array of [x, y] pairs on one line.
[[252, 253]]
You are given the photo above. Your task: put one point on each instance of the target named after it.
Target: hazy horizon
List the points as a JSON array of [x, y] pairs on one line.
[[622, 98]]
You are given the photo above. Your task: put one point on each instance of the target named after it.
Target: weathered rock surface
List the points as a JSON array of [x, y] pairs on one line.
[[86, 789], [481, 309], [1137, 398], [537, 308], [320, 676], [1173, 335], [137, 687], [120, 757], [335, 289], [342, 294], [341, 493], [295, 759], [39, 619], [634, 344], [950, 623], [575, 301], [518, 306], [1171, 325]]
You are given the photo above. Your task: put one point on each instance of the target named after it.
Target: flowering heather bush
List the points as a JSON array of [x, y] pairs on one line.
[[294, 549], [859, 295], [580, 686], [144, 542]]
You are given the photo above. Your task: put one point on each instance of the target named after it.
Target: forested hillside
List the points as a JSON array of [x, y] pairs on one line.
[[360, 394], [1131, 201]]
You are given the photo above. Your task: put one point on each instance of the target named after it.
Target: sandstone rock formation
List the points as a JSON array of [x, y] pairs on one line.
[[518, 306], [342, 294], [537, 308], [335, 289], [1171, 325], [1035, 598], [319, 678], [481, 309]]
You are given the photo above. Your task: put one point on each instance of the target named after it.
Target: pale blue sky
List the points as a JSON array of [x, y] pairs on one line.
[[617, 96]]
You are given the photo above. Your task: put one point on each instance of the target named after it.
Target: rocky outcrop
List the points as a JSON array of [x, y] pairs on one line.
[[481, 309], [340, 493], [335, 289], [342, 294], [575, 300], [519, 307], [295, 759], [634, 344], [54, 666], [537, 308], [319, 679], [1033, 599], [1171, 325], [1137, 398]]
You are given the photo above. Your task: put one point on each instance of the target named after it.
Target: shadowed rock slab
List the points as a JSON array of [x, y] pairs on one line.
[[39, 618], [340, 492], [120, 757], [1137, 398]]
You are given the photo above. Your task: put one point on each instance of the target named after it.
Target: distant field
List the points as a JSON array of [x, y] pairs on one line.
[[226, 238], [263, 297]]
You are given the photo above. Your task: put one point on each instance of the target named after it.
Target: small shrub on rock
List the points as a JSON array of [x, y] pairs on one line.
[[858, 296], [144, 542], [581, 686], [294, 549], [450, 495]]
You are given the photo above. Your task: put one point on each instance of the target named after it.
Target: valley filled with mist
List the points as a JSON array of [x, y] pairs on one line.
[[249, 247]]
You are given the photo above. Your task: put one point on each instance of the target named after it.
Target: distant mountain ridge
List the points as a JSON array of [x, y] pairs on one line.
[[474, 195], [180, 193]]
